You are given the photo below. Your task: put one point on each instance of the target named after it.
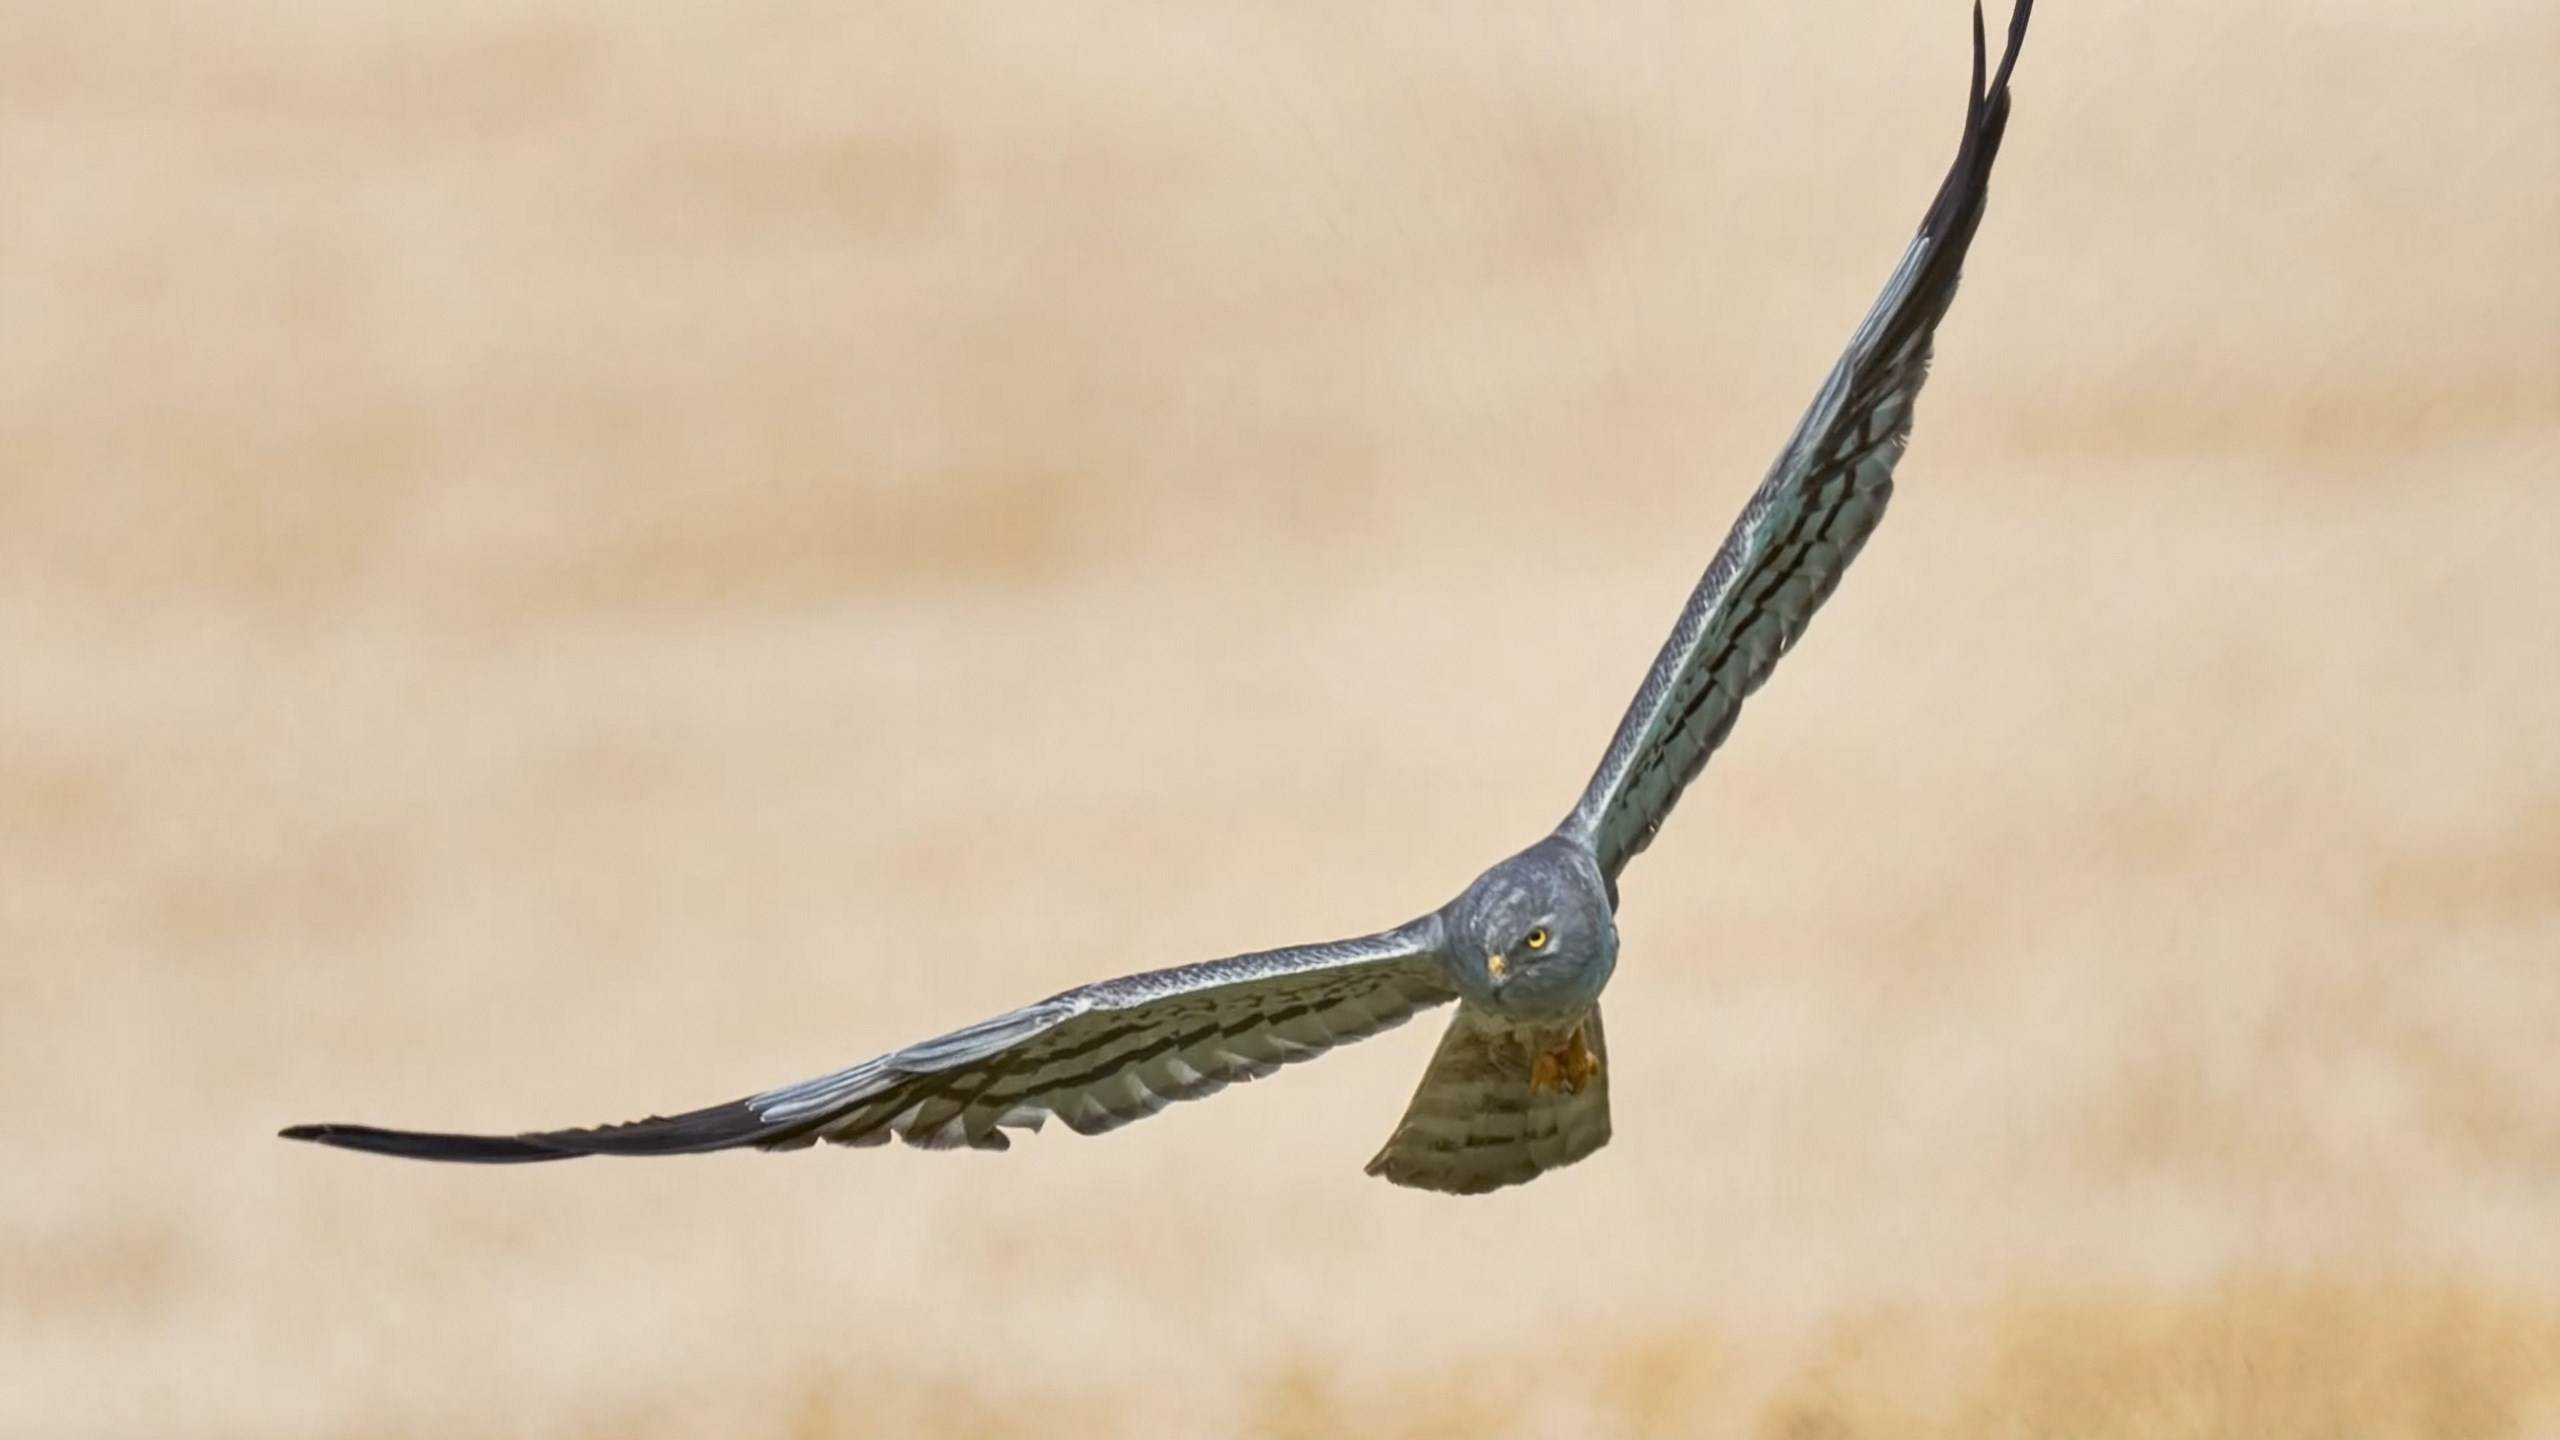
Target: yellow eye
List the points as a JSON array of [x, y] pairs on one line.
[[1536, 939]]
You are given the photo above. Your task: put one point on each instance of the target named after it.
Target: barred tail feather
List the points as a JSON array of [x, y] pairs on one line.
[[1476, 1124]]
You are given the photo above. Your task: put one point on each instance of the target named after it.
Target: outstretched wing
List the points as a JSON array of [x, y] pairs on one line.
[[1096, 1058], [1805, 524]]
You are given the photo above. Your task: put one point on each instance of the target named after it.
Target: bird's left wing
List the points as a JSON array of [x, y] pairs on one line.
[[1806, 522], [1096, 1057]]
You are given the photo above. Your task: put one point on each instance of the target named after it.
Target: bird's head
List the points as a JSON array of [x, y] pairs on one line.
[[1534, 936]]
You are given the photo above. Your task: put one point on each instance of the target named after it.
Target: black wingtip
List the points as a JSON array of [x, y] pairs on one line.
[[1981, 64], [1990, 109], [1986, 120], [720, 1127], [2017, 40], [422, 1145]]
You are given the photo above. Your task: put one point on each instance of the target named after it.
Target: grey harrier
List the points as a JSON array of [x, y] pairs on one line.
[[1520, 1083]]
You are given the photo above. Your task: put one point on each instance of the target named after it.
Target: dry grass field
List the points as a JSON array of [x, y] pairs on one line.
[[560, 559]]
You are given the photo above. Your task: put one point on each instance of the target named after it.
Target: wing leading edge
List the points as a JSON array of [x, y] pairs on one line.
[[1096, 1058], [1811, 514]]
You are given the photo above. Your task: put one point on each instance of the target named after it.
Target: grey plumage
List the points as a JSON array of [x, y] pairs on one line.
[[1519, 1082]]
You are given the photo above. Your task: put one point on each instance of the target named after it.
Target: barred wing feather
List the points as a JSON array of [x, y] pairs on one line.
[[1808, 519], [1096, 1058]]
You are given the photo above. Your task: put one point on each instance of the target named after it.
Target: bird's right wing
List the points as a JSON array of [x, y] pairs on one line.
[[1809, 517], [1096, 1057]]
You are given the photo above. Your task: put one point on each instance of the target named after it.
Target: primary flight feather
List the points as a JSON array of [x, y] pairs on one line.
[[1519, 1084]]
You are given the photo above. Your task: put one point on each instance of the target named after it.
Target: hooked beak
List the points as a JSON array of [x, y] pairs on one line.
[[1496, 966]]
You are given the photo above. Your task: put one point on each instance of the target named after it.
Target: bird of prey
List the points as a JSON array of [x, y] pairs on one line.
[[1520, 1082]]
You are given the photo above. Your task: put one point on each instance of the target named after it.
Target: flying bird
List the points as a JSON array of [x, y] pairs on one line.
[[1520, 1082]]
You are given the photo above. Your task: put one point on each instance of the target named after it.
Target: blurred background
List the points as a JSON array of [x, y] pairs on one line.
[[559, 560]]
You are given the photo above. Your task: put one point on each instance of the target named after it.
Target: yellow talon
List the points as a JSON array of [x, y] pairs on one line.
[[1570, 1066], [1546, 1072], [1581, 1063]]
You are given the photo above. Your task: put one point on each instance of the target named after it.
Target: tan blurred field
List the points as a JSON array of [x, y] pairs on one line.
[[561, 559]]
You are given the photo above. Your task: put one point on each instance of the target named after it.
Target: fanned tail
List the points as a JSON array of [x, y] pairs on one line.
[[1481, 1121]]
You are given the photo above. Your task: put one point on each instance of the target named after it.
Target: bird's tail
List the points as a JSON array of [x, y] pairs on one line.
[[1491, 1113]]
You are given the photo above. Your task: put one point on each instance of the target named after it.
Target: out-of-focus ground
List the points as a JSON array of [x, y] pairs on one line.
[[559, 560]]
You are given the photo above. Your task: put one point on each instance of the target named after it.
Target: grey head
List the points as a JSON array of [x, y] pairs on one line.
[[1533, 937]]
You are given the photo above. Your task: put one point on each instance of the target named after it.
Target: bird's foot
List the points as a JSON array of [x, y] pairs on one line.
[[1569, 1065], [1546, 1073]]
